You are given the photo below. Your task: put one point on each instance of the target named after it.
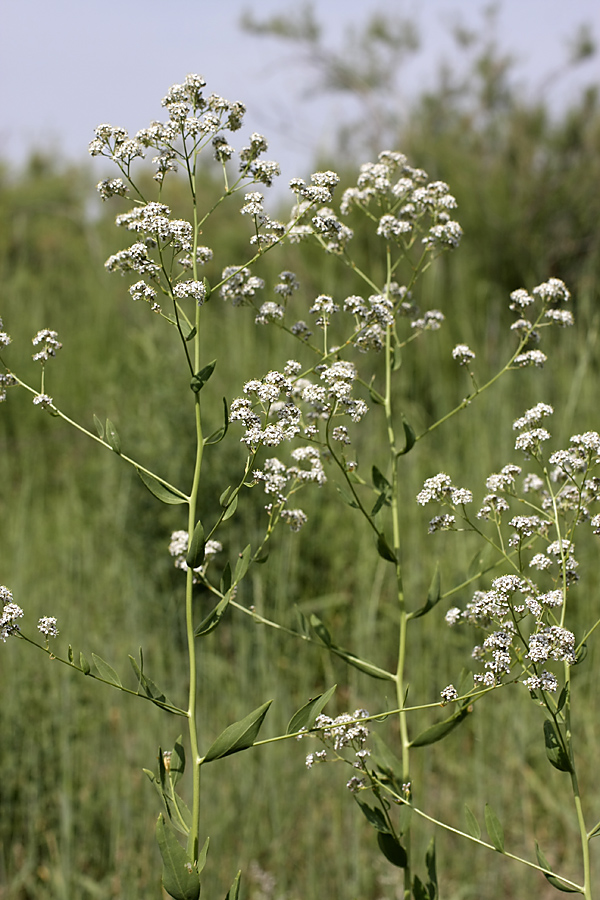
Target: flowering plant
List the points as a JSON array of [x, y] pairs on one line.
[[349, 355]]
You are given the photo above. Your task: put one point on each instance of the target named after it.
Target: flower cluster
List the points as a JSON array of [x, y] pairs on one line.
[[549, 296], [49, 344], [345, 731], [11, 612], [523, 621]]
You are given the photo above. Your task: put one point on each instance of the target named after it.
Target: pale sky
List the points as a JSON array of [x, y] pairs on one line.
[[68, 65]]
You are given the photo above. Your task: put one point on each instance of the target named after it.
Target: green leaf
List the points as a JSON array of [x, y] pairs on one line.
[[392, 849], [213, 619], [191, 334], [107, 672], [234, 891], [241, 566], [159, 490], [434, 595], [305, 717], [562, 698], [376, 396], [472, 823], [239, 736], [347, 497], [70, 655], [384, 549], [231, 508], [112, 437], [380, 481], [362, 665], [195, 554], [220, 433], [437, 732], [581, 654], [84, 664], [225, 496], [374, 816], [177, 761], [151, 690], [99, 427], [410, 438], [555, 750], [382, 500], [180, 875], [225, 582], [554, 880], [494, 828], [386, 761], [200, 378], [202, 855], [431, 869]]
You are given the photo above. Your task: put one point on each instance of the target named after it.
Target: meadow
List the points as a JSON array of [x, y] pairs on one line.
[[80, 536]]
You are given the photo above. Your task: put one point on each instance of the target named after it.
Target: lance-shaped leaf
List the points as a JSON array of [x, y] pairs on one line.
[[150, 689], [362, 665], [410, 438], [195, 554], [306, 715], [188, 333], [241, 566], [386, 761], [220, 433], [392, 849], [430, 862], [347, 497], [555, 748], [234, 891], [472, 823], [99, 426], [437, 732], [554, 880], [374, 816], [112, 437], [384, 549], [180, 875], [494, 828], [213, 619], [239, 736], [231, 508], [434, 595], [200, 378], [176, 809], [84, 664], [107, 672], [177, 766], [159, 490]]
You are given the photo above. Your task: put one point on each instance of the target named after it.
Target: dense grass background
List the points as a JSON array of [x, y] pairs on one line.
[[82, 539]]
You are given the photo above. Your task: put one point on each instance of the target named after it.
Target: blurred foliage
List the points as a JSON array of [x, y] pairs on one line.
[[82, 539]]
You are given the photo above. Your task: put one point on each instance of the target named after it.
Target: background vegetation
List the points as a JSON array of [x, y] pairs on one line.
[[82, 539]]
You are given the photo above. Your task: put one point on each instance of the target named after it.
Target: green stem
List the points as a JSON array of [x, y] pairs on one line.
[[189, 620]]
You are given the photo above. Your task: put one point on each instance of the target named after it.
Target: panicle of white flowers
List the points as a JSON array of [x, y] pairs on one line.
[[239, 285], [50, 344], [449, 694], [440, 488], [47, 626], [43, 401], [112, 187], [194, 289], [10, 613], [142, 291], [345, 731], [133, 259], [463, 354]]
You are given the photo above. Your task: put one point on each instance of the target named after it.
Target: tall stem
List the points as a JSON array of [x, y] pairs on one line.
[[400, 686]]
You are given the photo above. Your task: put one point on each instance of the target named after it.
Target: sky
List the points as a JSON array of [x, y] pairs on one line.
[[69, 65]]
